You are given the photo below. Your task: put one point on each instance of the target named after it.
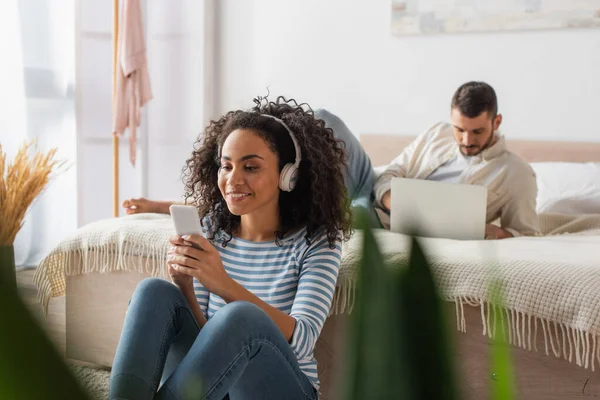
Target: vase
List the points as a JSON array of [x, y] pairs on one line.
[[8, 277]]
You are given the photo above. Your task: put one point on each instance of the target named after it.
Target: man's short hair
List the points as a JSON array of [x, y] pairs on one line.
[[474, 98]]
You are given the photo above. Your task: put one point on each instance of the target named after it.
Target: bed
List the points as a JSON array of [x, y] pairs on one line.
[[544, 352], [554, 333]]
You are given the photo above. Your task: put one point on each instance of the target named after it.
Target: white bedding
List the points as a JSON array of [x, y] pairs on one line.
[[551, 283], [567, 188]]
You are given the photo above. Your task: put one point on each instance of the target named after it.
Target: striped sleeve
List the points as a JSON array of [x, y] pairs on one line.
[[319, 270], [201, 296]]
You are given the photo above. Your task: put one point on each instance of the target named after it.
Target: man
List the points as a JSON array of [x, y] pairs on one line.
[[470, 150]]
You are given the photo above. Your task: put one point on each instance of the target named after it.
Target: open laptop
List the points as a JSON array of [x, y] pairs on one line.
[[436, 209]]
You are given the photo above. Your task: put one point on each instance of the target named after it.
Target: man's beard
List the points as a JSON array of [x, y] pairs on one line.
[[485, 145]]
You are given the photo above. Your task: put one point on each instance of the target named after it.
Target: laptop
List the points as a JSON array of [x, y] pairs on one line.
[[437, 209]]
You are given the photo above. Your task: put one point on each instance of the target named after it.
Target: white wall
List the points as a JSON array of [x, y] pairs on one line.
[[37, 102], [333, 54], [341, 55]]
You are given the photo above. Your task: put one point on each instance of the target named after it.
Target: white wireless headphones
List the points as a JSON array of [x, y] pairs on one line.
[[289, 173]]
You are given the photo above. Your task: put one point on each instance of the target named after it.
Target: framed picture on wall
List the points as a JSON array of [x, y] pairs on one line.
[[421, 17]]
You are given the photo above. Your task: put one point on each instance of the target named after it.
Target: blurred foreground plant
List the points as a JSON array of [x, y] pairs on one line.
[[399, 345]]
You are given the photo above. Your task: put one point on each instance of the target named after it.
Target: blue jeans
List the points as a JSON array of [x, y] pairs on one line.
[[239, 352], [360, 177]]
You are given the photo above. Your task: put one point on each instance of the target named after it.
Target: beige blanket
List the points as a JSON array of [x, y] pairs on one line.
[[550, 283]]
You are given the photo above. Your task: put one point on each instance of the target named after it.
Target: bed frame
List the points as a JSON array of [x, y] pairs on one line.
[[93, 324], [382, 148]]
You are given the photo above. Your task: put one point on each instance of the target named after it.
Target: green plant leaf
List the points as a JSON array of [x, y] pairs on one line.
[[426, 330], [30, 366], [502, 384], [376, 367]]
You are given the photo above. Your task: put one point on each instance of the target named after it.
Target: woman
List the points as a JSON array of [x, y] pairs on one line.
[[359, 176], [253, 292]]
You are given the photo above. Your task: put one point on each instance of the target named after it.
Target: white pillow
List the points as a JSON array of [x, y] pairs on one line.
[[568, 188]]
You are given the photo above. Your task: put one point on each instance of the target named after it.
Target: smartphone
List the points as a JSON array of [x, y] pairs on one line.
[[186, 220]]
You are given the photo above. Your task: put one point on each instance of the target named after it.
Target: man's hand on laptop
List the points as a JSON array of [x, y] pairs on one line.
[[386, 200], [495, 232]]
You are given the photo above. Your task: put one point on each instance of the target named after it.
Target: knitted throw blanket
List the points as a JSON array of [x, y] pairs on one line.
[[550, 283]]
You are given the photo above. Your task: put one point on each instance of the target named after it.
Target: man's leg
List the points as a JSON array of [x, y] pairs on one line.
[[360, 177]]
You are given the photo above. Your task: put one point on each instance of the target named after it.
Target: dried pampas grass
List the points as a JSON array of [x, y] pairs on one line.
[[20, 183]]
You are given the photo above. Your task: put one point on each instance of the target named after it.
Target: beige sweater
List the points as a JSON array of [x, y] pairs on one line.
[[511, 182]]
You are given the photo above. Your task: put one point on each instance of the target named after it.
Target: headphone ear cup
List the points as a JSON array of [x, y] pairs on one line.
[[287, 178]]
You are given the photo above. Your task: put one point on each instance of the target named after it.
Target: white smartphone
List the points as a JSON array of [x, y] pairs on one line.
[[185, 219]]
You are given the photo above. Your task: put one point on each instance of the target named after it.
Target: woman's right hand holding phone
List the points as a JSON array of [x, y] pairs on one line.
[[183, 281]]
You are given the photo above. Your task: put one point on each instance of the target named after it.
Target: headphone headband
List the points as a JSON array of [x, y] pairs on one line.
[[292, 136]]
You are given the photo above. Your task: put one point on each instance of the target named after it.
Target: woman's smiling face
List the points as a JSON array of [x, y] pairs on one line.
[[249, 174]]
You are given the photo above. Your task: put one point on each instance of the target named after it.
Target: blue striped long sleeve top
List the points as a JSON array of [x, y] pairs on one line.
[[294, 277]]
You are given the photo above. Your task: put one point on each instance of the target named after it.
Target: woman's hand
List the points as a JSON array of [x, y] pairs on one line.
[[181, 280], [201, 261]]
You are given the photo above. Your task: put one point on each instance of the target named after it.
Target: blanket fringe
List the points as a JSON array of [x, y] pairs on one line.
[[520, 329], [561, 340], [124, 256], [344, 298]]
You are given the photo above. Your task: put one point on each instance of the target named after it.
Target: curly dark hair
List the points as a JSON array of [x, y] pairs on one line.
[[319, 201]]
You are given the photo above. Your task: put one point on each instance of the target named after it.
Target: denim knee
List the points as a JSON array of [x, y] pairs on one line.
[[240, 313], [155, 289], [155, 286]]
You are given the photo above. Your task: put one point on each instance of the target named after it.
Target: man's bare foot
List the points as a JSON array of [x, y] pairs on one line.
[[141, 205]]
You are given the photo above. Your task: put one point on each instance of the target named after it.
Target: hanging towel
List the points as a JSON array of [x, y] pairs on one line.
[[133, 82]]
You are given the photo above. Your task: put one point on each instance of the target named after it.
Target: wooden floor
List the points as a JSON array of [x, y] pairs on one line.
[[54, 322]]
